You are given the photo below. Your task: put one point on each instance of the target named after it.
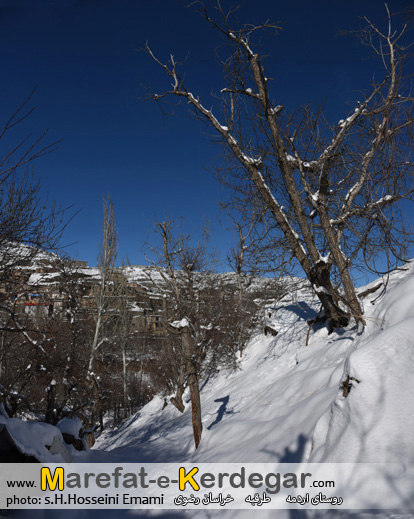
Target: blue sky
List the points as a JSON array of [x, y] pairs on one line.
[[85, 57]]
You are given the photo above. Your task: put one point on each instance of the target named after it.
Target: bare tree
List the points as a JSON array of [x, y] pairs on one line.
[[57, 351], [30, 232], [104, 306], [173, 255], [124, 340], [261, 278], [124, 334], [29, 226], [332, 191], [239, 254], [104, 297], [202, 316]]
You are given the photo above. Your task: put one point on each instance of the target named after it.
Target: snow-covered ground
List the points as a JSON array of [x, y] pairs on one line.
[[286, 404]]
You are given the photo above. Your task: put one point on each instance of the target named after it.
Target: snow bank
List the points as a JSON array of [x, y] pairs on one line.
[[34, 438], [375, 422], [70, 426], [286, 402]]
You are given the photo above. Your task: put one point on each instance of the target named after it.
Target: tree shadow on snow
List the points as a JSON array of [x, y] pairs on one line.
[[294, 455], [222, 410], [146, 446], [302, 310]]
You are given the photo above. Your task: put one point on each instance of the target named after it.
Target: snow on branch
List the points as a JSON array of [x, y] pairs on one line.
[[21, 329], [183, 323], [368, 208], [247, 91]]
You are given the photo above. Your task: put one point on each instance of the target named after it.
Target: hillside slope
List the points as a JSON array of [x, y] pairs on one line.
[[286, 403]]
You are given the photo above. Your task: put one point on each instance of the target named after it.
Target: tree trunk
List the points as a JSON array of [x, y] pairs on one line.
[[50, 399], [124, 381], [177, 400], [1, 356], [192, 378], [351, 298], [321, 280], [195, 405], [94, 345]]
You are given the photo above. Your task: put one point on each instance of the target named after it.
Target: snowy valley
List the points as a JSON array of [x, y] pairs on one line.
[[343, 398]]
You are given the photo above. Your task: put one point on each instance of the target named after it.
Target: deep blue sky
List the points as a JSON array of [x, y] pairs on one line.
[[84, 56]]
